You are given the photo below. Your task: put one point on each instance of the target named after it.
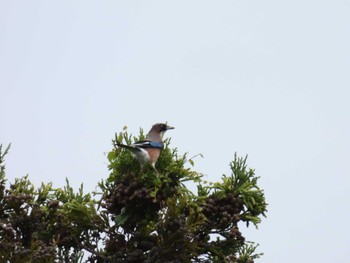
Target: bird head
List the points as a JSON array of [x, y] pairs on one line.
[[160, 128]]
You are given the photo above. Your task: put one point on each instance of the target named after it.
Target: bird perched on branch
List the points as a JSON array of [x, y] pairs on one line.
[[148, 150]]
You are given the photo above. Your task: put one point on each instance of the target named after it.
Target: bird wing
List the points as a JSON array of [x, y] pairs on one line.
[[148, 144], [142, 144]]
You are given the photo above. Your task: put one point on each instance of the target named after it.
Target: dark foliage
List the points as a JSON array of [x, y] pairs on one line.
[[137, 216]]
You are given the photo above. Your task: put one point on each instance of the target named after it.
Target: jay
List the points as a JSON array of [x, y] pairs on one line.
[[148, 150]]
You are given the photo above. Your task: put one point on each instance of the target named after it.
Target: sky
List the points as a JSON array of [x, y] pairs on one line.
[[268, 79]]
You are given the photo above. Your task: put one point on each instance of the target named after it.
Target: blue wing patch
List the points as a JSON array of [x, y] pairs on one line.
[[148, 144], [156, 145]]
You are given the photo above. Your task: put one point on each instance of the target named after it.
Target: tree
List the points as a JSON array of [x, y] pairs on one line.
[[137, 215]]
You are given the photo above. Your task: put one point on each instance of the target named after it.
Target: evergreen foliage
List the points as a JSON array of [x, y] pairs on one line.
[[136, 216]]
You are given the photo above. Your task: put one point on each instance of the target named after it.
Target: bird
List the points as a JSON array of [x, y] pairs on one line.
[[148, 150]]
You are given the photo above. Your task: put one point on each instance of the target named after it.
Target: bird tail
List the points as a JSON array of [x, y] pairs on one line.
[[125, 146]]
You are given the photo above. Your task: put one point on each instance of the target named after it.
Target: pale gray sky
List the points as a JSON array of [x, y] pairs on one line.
[[270, 79]]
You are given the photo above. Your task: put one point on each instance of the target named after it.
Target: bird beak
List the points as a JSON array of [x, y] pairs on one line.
[[169, 127]]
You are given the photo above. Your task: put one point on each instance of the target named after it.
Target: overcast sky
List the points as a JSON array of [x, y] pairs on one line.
[[270, 79]]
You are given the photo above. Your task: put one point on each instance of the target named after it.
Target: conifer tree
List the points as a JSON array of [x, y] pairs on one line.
[[136, 215]]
